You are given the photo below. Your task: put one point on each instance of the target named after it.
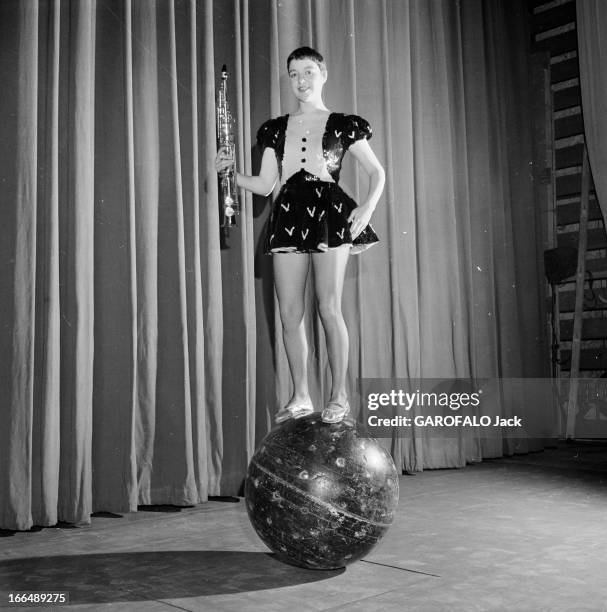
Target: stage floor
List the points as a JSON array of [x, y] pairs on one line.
[[524, 533]]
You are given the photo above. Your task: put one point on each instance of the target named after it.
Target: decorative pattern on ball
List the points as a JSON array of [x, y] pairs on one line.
[[321, 495]]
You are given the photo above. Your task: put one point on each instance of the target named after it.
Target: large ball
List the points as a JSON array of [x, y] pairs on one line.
[[320, 495]]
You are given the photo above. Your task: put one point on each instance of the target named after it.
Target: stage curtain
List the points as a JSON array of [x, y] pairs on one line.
[[142, 357], [454, 290], [110, 271], [591, 24]]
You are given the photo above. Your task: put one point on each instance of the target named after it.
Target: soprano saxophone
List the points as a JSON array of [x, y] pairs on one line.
[[225, 138]]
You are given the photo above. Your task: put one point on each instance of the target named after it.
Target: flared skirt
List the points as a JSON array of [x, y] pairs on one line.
[[311, 216]]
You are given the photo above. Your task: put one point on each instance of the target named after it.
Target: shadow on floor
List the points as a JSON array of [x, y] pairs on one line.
[[119, 577]]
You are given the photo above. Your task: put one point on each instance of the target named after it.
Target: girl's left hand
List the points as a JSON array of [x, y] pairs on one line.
[[359, 219]]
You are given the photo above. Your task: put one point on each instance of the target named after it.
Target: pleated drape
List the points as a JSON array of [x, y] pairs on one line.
[[591, 23], [111, 259]]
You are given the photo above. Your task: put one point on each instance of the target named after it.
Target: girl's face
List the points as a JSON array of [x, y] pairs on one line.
[[307, 79]]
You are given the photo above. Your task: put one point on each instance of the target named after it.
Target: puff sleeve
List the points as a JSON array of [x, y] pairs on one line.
[[267, 135], [356, 128]]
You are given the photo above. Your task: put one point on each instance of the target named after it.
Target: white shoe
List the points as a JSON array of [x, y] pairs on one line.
[[335, 412], [294, 410]]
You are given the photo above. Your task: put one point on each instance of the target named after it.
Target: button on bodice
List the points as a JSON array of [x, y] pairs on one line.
[[304, 146]]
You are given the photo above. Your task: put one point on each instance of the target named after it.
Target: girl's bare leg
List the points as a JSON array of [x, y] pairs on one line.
[[290, 275], [329, 273]]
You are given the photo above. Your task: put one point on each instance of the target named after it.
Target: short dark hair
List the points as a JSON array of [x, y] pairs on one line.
[[306, 53]]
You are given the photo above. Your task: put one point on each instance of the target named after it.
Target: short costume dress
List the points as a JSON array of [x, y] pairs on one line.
[[309, 214]]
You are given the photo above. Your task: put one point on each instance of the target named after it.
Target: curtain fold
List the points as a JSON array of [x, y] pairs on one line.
[[592, 55], [76, 270], [142, 357], [17, 441], [46, 419]]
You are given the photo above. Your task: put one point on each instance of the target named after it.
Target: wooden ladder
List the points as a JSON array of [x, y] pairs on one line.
[[580, 281]]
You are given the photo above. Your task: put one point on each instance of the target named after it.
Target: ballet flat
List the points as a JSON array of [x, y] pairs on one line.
[[293, 410], [335, 412]]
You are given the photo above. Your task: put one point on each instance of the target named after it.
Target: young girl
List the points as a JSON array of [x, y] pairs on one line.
[[313, 220]]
